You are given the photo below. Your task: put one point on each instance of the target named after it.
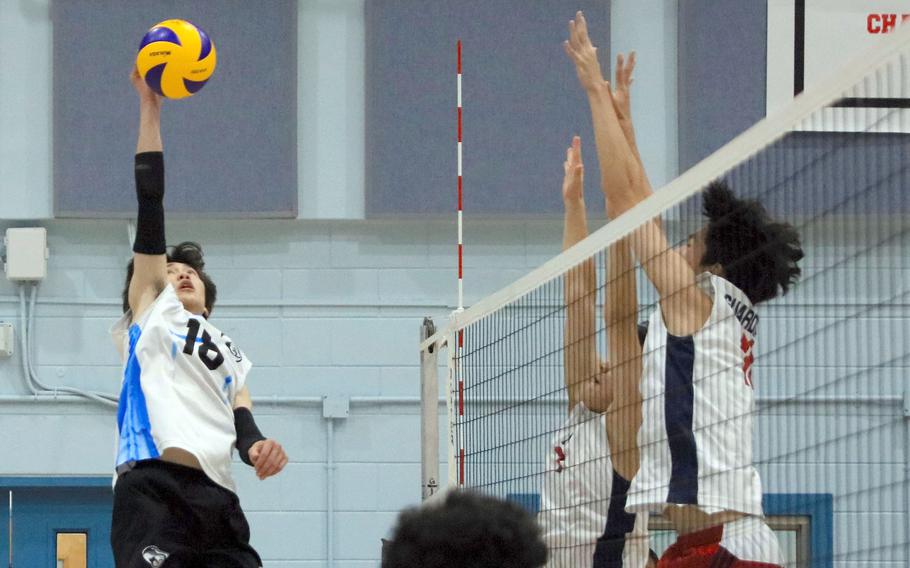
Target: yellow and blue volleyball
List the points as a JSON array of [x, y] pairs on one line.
[[176, 58]]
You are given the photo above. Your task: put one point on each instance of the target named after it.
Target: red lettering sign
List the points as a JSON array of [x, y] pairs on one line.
[[874, 24], [884, 23]]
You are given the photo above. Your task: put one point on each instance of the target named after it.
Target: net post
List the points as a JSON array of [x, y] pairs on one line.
[[905, 411], [429, 413], [452, 459]]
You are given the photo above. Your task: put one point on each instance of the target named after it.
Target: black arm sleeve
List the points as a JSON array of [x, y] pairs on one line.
[[149, 170], [247, 433]]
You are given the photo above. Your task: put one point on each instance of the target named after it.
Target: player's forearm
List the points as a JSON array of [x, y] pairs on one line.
[[149, 139], [580, 297], [621, 296], [580, 282], [624, 417], [665, 267], [621, 307], [580, 350], [575, 225], [149, 261], [628, 131], [622, 176]]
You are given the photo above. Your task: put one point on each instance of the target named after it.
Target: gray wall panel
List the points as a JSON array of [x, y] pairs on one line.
[[522, 104], [230, 150], [722, 69]]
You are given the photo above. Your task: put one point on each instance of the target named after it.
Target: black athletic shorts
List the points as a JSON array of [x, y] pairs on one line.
[[172, 516]]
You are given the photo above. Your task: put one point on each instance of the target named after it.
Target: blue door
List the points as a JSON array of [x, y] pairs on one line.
[[44, 508]]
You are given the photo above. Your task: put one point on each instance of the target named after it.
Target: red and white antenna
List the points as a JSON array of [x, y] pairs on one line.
[[460, 195], [461, 452]]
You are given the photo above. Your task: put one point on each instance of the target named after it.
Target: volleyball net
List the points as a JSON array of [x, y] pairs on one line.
[[829, 367]]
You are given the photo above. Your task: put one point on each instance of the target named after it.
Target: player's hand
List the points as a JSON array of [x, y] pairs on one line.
[[573, 182], [622, 101], [268, 458], [580, 50], [146, 95]]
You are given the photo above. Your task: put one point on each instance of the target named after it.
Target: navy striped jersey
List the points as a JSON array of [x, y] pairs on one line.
[[695, 440]]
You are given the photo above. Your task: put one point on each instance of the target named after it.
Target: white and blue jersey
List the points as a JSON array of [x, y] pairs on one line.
[[180, 378], [583, 525], [695, 440]]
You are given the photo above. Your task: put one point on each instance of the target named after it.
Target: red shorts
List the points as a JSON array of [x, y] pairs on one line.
[[705, 549]]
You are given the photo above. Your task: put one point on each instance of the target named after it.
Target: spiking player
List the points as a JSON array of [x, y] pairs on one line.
[[184, 404], [583, 525], [696, 398]]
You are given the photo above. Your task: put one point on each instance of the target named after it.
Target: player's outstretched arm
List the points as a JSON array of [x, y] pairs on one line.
[[620, 310], [149, 260], [580, 355], [619, 166], [625, 184], [264, 454]]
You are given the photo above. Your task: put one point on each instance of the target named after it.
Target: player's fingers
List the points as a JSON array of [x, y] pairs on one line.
[[627, 74], [271, 466], [576, 147], [581, 27], [254, 452], [573, 35], [620, 63], [264, 455], [570, 51], [630, 66]]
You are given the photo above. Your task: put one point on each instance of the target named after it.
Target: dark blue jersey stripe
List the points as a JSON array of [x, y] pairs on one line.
[[608, 553], [679, 403]]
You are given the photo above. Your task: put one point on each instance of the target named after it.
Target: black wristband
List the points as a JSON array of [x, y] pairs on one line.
[[247, 433], [149, 169]]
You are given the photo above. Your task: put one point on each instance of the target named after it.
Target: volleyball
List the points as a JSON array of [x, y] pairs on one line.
[[176, 58]]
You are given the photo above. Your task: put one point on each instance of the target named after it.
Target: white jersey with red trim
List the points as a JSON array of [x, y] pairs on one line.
[[695, 440], [575, 497], [180, 378]]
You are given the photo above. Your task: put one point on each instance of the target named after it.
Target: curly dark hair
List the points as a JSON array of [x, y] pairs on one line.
[[467, 530], [758, 255], [188, 253]]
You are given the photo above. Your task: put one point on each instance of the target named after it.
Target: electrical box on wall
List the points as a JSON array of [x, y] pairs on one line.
[[6, 340], [26, 254]]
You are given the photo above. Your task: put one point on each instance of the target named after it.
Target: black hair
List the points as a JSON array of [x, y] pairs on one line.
[[190, 254], [467, 530], [653, 556], [758, 255]]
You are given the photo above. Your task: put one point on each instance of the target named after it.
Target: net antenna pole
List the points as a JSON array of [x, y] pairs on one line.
[[460, 192], [429, 412], [456, 346]]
